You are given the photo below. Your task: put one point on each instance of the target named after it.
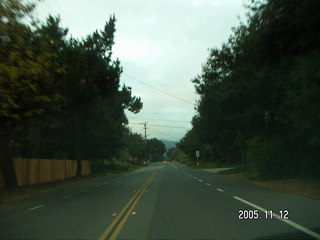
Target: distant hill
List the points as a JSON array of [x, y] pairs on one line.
[[169, 144]]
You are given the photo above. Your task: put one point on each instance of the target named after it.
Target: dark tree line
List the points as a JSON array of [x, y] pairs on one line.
[[145, 150], [260, 94], [155, 149], [59, 97]]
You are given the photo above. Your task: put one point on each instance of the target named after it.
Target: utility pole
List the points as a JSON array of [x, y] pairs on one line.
[[145, 140], [145, 131]]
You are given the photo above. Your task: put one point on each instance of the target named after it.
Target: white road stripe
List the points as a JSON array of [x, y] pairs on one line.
[[173, 166], [208, 184], [65, 197], [220, 190], [291, 223], [30, 209]]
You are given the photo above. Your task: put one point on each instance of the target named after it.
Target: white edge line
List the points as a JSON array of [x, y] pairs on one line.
[[291, 223], [173, 166], [30, 209], [220, 190], [65, 197]]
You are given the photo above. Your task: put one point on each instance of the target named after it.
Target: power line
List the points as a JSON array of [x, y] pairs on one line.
[[145, 128], [157, 125], [159, 90], [165, 134], [66, 16], [135, 123], [164, 120], [50, 10]]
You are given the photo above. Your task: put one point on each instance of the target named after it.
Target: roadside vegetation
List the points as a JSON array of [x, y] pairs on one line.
[[61, 97], [101, 168], [259, 106], [178, 155]]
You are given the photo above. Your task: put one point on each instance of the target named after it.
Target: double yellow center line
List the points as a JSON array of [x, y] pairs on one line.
[[117, 224]]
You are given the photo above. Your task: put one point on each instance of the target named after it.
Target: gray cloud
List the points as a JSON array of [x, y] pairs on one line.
[[159, 42]]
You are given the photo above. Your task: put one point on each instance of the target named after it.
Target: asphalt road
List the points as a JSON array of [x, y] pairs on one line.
[[163, 201]]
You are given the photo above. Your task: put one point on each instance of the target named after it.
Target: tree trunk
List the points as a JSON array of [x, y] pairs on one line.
[[79, 166], [75, 146], [6, 164], [8, 172]]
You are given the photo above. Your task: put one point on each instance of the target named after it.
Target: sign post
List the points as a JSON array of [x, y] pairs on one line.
[[197, 155]]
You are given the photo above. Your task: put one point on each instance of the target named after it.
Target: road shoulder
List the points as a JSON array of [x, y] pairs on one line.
[[302, 187], [10, 197]]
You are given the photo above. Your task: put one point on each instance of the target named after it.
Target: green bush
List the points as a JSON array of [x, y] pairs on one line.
[[266, 159], [100, 166]]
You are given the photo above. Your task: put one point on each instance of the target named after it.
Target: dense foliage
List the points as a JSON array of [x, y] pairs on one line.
[[155, 149], [59, 97], [260, 94]]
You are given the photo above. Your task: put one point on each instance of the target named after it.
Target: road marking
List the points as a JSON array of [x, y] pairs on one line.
[[200, 180], [65, 197], [291, 223], [219, 189], [30, 209], [84, 190], [125, 218], [115, 224], [173, 166], [208, 184]]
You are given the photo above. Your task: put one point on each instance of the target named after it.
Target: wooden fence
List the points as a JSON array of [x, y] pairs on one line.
[[35, 171]]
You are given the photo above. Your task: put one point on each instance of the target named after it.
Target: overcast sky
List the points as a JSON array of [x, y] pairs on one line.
[[161, 45]]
